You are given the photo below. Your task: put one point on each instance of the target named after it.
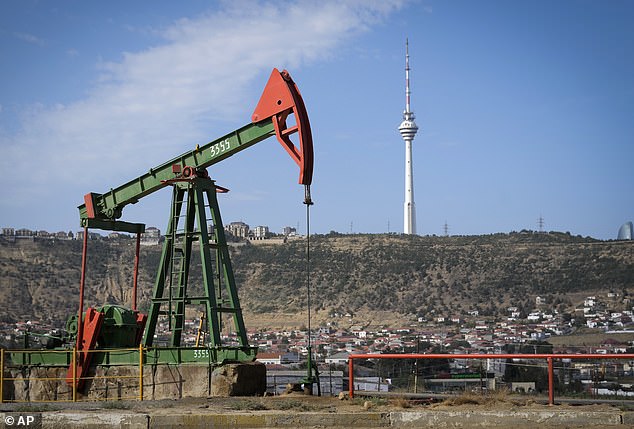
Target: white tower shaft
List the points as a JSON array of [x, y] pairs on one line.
[[409, 221], [408, 129]]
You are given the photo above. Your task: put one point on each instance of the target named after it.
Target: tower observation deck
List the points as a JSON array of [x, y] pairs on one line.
[[408, 130]]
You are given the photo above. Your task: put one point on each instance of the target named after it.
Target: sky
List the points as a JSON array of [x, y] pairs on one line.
[[525, 110]]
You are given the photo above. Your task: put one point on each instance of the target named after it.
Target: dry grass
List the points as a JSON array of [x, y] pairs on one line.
[[590, 338], [496, 397], [373, 401], [401, 403]]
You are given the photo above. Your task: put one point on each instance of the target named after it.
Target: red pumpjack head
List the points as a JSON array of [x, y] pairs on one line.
[[279, 99]]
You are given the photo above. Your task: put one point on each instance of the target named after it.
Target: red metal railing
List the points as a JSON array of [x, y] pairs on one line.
[[549, 358]]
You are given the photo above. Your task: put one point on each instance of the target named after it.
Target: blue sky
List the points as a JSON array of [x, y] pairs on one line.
[[525, 109]]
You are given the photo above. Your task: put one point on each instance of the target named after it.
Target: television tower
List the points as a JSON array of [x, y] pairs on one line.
[[408, 131]]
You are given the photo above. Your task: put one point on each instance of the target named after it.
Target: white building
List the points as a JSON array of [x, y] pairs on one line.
[[260, 232], [238, 229], [151, 236]]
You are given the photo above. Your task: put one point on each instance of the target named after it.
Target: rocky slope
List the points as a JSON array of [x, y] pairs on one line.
[[400, 275]]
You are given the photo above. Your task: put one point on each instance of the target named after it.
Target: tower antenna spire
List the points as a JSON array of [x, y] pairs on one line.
[[408, 92], [408, 130]]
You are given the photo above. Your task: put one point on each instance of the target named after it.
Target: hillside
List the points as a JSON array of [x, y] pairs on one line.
[[375, 277]]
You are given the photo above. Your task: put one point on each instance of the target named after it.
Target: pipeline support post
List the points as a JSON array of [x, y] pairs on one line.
[[551, 392], [140, 371], [74, 363], [350, 377], [136, 270]]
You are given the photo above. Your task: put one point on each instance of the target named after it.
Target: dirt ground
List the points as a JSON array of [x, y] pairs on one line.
[[474, 409], [294, 403]]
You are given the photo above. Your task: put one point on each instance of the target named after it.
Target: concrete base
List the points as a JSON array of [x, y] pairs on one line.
[[412, 419], [123, 382]]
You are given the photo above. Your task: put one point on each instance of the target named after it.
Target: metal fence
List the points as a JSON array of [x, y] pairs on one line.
[[63, 380], [549, 358]]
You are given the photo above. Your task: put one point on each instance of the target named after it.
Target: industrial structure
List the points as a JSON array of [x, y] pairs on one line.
[[626, 231], [408, 130], [194, 225]]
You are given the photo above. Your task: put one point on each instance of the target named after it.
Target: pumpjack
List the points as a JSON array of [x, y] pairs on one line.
[[194, 218]]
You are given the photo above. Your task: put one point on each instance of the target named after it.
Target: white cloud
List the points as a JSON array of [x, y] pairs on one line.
[[166, 96], [30, 38]]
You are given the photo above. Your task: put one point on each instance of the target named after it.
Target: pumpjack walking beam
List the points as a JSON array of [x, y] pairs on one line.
[[280, 99]]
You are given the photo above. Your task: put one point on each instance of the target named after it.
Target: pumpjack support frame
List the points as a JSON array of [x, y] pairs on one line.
[[195, 218]]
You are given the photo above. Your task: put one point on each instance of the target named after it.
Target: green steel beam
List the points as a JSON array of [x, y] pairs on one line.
[[225, 274], [114, 225], [109, 206], [151, 356], [210, 300]]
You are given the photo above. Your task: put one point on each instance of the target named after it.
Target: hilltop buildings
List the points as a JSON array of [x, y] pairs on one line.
[[151, 236]]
